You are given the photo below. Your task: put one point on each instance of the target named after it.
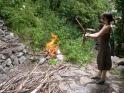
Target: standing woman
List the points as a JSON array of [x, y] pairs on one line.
[[104, 53]]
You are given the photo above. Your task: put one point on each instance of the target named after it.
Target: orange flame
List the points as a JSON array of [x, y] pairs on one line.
[[51, 46]]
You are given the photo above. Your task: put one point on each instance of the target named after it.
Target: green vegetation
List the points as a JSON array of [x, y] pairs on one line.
[[53, 61], [119, 30], [34, 20]]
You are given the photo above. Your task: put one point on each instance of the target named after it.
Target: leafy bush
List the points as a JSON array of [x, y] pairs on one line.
[[76, 52], [34, 20]]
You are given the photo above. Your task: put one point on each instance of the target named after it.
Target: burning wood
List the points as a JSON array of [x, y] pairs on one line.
[[52, 47]]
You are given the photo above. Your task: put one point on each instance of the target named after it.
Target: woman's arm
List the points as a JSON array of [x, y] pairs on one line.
[[104, 30]]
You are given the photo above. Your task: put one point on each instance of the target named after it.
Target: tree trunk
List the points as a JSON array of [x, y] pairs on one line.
[[123, 23]]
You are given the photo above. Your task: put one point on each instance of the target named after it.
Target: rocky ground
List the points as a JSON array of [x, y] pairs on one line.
[[12, 52], [22, 72]]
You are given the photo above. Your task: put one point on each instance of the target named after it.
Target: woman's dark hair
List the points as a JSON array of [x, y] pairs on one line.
[[108, 16]]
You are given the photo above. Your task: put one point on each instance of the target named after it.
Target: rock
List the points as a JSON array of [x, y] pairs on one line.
[[2, 71], [4, 28], [25, 51], [8, 62], [7, 69], [2, 57], [2, 44], [12, 40], [2, 33], [19, 48], [60, 57], [1, 23], [7, 51], [9, 35], [121, 63], [114, 59], [42, 60], [19, 54], [3, 77], [1, 61], [22, 59], [15, 60], [121, 68], [94, 88]]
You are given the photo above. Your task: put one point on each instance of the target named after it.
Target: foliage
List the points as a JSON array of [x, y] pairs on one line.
[[79, 52], [119, 4], [34, 20], [53, 61]]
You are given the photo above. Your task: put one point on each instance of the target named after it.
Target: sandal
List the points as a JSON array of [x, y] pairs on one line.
[[96, 78], [100, 82]]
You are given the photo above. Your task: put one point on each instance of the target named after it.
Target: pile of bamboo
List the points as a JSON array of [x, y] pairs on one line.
[[36, 80]]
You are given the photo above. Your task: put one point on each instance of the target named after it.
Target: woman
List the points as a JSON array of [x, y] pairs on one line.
[[104, 54]]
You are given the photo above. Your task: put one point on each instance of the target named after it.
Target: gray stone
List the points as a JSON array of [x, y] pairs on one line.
[[2, 56], [4, 28], [121, 68], [7, 69], [2, 71], [15, 60], [1, 61], [14, 40], [25, 51], [60, 57], [2, 32], [2, 44], [116, 59], [10, 36], [7, 51], [11, 66], [22, 59], [19, 54], [42, 60], [94, 88], [19, 48], [3, 77], [1, 23], [3, 64], [8, 62]]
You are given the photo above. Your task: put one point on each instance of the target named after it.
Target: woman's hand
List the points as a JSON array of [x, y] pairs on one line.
[[87, 35]]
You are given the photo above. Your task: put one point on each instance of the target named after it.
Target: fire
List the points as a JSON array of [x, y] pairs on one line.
[[51, 46]]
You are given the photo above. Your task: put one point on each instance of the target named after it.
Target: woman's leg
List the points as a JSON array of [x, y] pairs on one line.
[[99, 73], [103, 75]]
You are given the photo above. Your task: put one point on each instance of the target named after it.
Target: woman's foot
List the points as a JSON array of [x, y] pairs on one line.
[[96, 78], [100, 82]]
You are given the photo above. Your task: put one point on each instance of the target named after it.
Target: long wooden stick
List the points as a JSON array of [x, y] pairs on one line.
[[84, 31]]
